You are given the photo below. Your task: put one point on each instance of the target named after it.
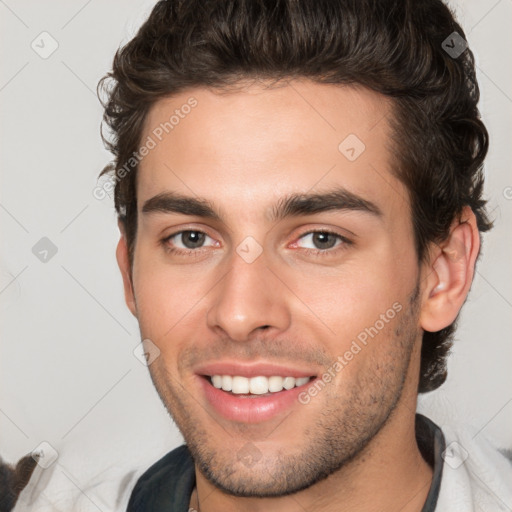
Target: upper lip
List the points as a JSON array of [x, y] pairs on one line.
[[252, 370]]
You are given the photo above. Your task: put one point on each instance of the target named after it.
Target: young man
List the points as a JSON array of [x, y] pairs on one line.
[[299, 191]]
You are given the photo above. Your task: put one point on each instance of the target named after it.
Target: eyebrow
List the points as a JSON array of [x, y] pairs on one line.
[[293, 205]]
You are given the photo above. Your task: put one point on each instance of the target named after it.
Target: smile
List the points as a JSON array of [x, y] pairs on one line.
[[259, 385], [252, 393]]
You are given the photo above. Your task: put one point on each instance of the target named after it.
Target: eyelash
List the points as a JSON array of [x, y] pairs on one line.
[[309, 252]]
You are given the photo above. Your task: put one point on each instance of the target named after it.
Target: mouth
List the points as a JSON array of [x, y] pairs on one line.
[[258, 395], [256, 386]]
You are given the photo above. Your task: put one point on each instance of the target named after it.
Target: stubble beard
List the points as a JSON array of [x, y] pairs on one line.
[[339, 435]]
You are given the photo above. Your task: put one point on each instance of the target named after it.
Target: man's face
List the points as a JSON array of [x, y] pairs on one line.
[[258, 290]]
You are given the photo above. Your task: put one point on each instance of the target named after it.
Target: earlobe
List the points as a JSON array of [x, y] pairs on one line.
[[124, 266], [450, 274]]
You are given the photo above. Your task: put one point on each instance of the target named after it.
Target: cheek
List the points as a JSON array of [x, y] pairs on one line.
[[169, 302], [353, 296]]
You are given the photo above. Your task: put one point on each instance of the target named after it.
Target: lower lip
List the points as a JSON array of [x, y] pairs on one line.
[[253, 408]]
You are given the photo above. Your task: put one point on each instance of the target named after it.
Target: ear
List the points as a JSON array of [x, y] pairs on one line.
[[449, 273], [23, 471], [126, 272]]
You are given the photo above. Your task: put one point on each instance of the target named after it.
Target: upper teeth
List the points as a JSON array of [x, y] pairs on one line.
[[256, 385]]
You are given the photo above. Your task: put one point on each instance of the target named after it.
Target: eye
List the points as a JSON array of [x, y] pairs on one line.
[[321, 241], [186, 241]]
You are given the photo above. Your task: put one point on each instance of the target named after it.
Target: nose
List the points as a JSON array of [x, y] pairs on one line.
[[249, 298]]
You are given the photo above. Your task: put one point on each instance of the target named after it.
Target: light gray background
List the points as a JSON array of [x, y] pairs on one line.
[[68, 375]]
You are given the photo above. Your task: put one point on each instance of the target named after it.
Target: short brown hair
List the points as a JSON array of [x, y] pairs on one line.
[[395, 47]]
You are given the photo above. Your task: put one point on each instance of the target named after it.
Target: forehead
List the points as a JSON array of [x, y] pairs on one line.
[[255, 144]]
